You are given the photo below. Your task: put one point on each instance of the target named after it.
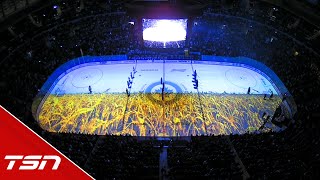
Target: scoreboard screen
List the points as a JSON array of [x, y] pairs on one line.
[[164, 33]]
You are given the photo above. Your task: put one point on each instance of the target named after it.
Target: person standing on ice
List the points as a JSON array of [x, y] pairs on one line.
[[271, 96], [90, 90]]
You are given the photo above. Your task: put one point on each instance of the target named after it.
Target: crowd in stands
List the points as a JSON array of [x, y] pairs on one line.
[[30, 52], [78, 151], [265, 156], [204, 156], [123, 156]]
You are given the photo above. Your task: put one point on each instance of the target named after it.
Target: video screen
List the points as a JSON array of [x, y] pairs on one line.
[[164, 33]]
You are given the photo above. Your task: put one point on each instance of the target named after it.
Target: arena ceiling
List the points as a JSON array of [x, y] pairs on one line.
[[10, 10]]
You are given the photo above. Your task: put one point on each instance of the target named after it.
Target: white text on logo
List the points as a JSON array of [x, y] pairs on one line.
[[32, 162]]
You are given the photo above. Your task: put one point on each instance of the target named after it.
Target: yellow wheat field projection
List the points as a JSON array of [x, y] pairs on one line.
[[137, 115]]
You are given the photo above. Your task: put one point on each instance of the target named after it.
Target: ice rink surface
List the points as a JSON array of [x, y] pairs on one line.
[[212, 78], [93, 98]]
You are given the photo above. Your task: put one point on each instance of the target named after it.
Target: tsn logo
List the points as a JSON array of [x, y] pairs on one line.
[[31, 162]]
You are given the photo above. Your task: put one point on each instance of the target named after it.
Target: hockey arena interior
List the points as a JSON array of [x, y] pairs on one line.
[[168, 89]]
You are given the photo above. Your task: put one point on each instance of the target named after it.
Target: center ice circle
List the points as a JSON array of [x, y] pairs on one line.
[[172, 92]]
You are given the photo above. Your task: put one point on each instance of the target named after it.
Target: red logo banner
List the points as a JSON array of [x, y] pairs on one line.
[[24, 154]]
